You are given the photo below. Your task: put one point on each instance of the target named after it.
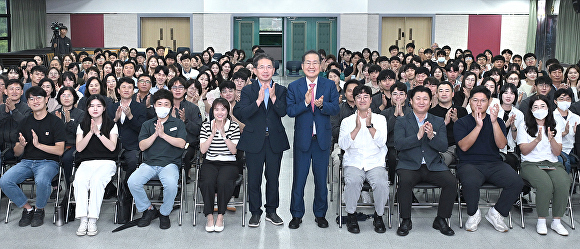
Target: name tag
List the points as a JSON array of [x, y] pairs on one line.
[[173, 129], [46, 134]]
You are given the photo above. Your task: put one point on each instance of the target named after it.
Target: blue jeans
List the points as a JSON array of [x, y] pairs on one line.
[[168, 176], [43, 171], [569, 160]]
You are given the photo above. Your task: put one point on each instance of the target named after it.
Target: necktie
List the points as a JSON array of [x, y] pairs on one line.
[[312, 96]]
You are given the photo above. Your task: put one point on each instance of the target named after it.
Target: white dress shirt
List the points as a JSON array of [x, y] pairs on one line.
[[364, 152], [568, 140], [308, 82]]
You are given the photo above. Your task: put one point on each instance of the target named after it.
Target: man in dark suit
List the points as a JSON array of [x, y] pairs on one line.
[[261, 108], [129, 115], [311, 100], [420, 138]]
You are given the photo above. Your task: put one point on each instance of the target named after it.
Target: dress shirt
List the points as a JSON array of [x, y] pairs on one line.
[[308, 82], [364, 152]]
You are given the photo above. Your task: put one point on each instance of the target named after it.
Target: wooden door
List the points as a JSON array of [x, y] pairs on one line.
[[402, 30], [418, 31], [170, 32], [393, 34]]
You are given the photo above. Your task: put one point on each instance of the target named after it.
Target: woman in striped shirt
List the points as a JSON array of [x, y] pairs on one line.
[[219, 171]]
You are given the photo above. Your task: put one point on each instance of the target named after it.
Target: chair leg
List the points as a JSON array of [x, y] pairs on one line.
[[460, 214], [195, 195], [340, 200], [8, 211], [244, 200], [510, 220], [522, 211], [571, 213]]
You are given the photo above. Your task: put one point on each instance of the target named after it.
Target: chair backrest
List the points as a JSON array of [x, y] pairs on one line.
[[183, 49], [293, 67]]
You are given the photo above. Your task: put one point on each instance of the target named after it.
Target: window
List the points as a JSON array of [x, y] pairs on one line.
[[271, 31], [4, 26]]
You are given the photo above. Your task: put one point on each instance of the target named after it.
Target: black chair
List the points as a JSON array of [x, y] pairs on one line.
[[294, 68], [76, 164], [181, 185], [276, 67], [183, 49], [198, 200]]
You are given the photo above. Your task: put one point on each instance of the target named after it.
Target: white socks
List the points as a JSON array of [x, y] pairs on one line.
[[543, 221]]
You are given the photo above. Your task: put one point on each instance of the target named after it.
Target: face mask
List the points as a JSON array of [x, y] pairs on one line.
[[162, 112], [564, 105], [540, 114], [441, 59]]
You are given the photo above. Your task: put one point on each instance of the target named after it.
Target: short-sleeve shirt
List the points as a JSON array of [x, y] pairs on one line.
[[162, 153], [441, 111], [543, 150], [50, 130], [484, 148], [218, 150]]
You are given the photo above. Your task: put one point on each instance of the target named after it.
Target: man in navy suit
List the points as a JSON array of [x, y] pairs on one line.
[[261, 108], [419, 138], [311, 100]]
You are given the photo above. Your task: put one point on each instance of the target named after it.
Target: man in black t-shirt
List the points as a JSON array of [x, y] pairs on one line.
[[450, 113], [41, 141], [479, 137]]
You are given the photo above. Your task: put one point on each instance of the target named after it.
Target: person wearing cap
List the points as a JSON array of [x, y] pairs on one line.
[[62, 44]]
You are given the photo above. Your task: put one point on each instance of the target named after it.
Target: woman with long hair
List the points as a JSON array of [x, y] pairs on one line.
[[540, 144], [571, 78], [96, 143], [111, 82]]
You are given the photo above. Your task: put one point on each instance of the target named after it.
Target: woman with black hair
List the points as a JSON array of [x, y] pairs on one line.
[[219, 171], [96, 142], [50, 89], [205, 58], [513, 118], [366, 55], [94, 86], [226, 72], [541, 144]]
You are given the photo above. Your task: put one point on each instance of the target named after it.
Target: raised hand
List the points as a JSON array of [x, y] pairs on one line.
[[454, 114], [159, 129], [148, 100], [182, 114], [119, 112], [213, 128], [261, 94], [66, 115], [510, 120], [447, 119], [272, 92], [574, 128], [318, 103], [94, 127], [421, 131], [22, 140], [551, 134], [369, 116], [493, 112], [385, 102], [308, 96], [478, 119], [357, 121], [566, 129], [429, 129], [57, 113], [34, 139], [539, 136]]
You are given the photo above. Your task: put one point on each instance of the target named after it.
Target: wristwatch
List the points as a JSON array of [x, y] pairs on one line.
[[370, 126], [99, 135]]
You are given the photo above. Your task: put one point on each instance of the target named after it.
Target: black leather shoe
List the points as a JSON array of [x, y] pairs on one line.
[[164, 222], [405, 226], [321, 222], [441, 225], [295, 223], [148, 216], [352, 223], [379, 224]]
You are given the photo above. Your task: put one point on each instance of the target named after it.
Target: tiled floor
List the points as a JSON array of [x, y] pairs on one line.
[[269, 236]]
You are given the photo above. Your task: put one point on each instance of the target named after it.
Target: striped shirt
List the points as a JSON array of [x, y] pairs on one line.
[[218, 150]]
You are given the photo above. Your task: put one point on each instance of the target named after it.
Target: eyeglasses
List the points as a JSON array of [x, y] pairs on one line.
[[66, 96], [262, 67], [177, 87], [144, 82], [35, 98]]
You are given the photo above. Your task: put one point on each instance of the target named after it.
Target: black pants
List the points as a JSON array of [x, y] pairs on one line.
[[255, 164], [217, 177], [391, 163], [443, 179], [472, 176], [131, 158], [514, 162], [191, 151]]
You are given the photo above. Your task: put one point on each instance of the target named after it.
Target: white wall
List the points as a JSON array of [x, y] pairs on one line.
[[353, 31], [451, 30], [121, 30], [217, 32], [514, 33], [373, 31], [124, 6], [198, 34], [449, 7]]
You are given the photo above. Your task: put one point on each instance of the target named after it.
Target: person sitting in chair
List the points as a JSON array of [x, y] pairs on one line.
[[365, 150], [162, 140]]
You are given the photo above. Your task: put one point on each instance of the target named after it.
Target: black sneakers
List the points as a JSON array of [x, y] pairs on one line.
[[254, 221], [352, 223], [148, 216], [274, 218], [164, 222], [26, 217], [38, 218]]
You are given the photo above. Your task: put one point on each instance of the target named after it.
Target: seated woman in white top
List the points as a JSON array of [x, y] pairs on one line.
[[541, 143], [219, 171], [95, 143], [513, 118], [566, 122]]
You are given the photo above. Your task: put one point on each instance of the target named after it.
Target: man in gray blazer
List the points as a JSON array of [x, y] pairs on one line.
[[420, 138]]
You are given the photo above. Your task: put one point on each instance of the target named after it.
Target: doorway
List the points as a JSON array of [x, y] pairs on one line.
[[402, 30], [170, 32]]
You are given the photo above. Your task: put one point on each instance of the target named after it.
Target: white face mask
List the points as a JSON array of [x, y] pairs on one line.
[[441, 59], [162, 112], [540, 114], [564, 105]]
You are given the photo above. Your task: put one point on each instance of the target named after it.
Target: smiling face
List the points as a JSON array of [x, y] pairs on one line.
[[228, 94], [362, 101], [178, 90], [421, 102], [94, 87], [220, 113], [95, 108], [508, 97], [47, 87], [311, 66], [264, 70], [111, 83], [13, 91], [67, 98], [37, 103], [479, 103]]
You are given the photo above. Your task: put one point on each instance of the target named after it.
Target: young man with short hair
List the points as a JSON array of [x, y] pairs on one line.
[[187, 70], [36, 74], [393, 50], [382, 99], [399, 108], [374, 71], [41, 140], [410, 48], [507, 54], [162, 140], [357, 166]]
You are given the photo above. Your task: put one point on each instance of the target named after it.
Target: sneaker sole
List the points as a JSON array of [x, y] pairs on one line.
[[81, 234], [489, 220], [275, 223], [92, 233], [254, 225]]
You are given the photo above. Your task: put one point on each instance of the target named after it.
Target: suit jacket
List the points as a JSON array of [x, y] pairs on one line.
[[411, 150], [129, 130], [257, 118], [304, 116]]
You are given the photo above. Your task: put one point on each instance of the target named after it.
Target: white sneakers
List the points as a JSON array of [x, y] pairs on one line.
[[83, 227], [473, 221], [559, 228], [92, 227], [495, 218], [541, 227]]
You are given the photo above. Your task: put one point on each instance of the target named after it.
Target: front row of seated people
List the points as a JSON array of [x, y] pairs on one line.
[[42, 136], [421, 137]]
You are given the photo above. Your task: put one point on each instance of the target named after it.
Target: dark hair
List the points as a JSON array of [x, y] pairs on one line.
[[566, 91], [528, 55], [211, 83], [351, 81], [374, 68], [410, 44], [497, 58], [53, 93], [552, 61], [196, 84], [362, 89], [162, 94], [68, 75], [224, 103], [94, 69], [386, 74], [430, 81], [442, 83], [399, 86], [106, 125], [514, 67], [481, 89], [227, 84], [241, 75], [465, 78], [420, 88], [41, 69], [505, 88], [530, 120], [395, 58], [102, 91], [35, 91], [14, 81], [122, 80], [531, 68], [72, 91], [174, 79], [555, 67], [16, 69], [393, 47], [334, 71], [381, 59], [312, 52], [454, 66]]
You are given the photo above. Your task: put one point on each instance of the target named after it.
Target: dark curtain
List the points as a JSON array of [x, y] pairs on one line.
[[28, 21]]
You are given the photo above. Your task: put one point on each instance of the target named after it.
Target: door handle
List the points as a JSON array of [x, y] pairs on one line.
[[161, 34], [410, 33], [400, 34]]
